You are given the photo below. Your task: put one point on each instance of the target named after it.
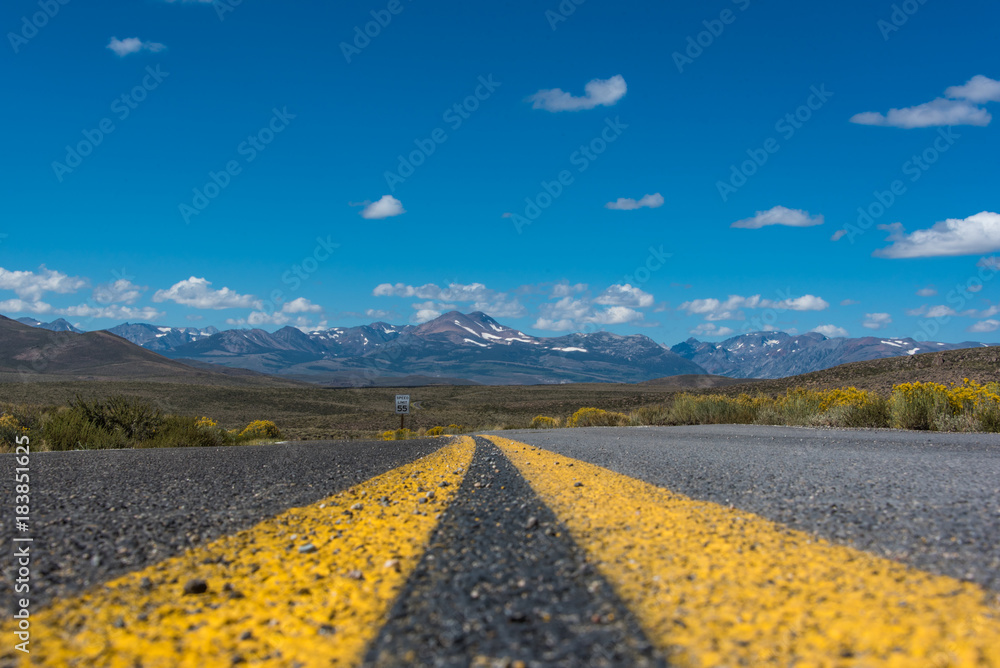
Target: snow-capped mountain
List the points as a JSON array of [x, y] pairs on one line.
[[160, 339], [59, 325], [777, 354], [454, 346]]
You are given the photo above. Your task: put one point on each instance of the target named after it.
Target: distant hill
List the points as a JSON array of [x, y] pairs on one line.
[[951, 366], [32, 353], [779, 355]]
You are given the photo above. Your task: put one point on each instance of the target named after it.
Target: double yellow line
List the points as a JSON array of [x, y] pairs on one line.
[[710, 586]]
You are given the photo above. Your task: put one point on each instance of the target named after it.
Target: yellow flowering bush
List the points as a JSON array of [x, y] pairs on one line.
[[397, 435], [935, 406], [435, 431], [10, 430], [205, 423], [260, 429], [597, 417], [544, 422]]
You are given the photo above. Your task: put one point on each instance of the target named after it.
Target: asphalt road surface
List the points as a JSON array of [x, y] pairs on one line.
[[700, 546]]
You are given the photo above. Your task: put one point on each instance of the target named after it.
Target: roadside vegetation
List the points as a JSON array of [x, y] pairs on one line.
[[162, 414], [119, 422], [969, 406]]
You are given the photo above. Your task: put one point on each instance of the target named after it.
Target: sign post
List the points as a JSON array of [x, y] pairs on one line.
[[402, 407]]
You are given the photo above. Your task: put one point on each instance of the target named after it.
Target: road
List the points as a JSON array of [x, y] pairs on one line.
[[713, 545]]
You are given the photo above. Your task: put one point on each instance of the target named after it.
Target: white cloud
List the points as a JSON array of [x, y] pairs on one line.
[[877, 320], [960, 106], [838, 235], [779, 215], [301, 305], [569, 314], [849, 302], [378, 314], [425, 315], [428, 291], [112, 312], [929, 291], [121, 291], [942, 311], [597, 92], [624, 295], [21, 306], [31, 285], [715, 309], [387, 207], [803, 303], [978, 89], [709, 329], [196, 292], [564, 289], [956, 236], [985, 326], [831, 331], [476, 296], [124, 47], [628, 204]]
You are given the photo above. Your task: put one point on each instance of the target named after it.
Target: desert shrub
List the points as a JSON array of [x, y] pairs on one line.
[[871, 414], [920, 406], [435, 431], [988, 419], [186, 432], [136, 420], [716, 409], [544, 422], [69, 429], [454, 429], [397, 435], [259, 429], [10, 430], [647, 416], [597, 417], [206, 423]]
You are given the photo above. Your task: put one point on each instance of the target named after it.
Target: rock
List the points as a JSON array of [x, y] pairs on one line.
[[308, 548], [196, 586]]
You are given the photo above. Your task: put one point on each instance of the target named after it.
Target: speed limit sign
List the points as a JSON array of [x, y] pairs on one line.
[[402, 404]]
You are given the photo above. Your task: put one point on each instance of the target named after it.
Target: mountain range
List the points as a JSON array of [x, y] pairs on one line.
[[458, 348], [452, 348], [779, 355]]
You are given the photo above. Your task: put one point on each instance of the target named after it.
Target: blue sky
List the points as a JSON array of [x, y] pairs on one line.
[[672, 169]]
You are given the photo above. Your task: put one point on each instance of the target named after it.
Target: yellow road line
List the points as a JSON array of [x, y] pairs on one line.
[[271, 599], [714, 586]]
